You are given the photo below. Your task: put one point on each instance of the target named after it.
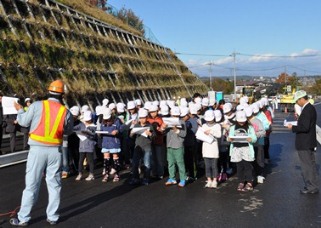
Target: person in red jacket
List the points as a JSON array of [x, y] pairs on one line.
[[158, 147]]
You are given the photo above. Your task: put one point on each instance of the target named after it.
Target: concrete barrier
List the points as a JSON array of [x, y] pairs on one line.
[[13, 158], [318, 129]]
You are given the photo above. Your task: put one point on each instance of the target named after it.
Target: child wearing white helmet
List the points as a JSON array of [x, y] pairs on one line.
[[110, 144], [210, 150], [143, 148], [175, 150], [258, 146], [242, 136], [86, 145]]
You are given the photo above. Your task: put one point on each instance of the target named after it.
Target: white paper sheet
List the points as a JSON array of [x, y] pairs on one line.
[[286, 123], [129, 121], [172, 121], [103, 132], [81, 137], [8, 105], [200, 135], [241, 139], [139, 130]]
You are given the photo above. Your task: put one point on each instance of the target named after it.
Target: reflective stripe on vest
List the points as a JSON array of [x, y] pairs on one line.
[[50, 130]]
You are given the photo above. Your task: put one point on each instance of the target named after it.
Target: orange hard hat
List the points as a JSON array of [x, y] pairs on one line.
[[57, 86]]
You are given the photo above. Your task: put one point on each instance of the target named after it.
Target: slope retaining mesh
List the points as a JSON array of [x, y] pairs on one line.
[[42, 40]]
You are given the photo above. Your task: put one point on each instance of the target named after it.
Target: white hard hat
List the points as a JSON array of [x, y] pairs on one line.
[[142, 113], [299, 94], [240, 116], [209, 115], [175, 111], [74, 110], [184, 111], [218, 115], [227, 107], [138, 102], [153, 108], [164, 110], [205, 101], [131, 105], [84, 108], [87, 115], [248, 111], [112, 106], [120, 107], [99, 110], [106, 113]]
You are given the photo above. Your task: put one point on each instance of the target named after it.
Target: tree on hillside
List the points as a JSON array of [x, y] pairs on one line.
[[98, 3], [128, 16], [284, 79], [316, 88], [219, 84]]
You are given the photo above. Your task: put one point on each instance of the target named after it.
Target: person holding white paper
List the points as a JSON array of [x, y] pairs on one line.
[[158, 151], [87, 146], [210, 150], [175, 151], [242, 153], [143, 149], [128, 143], [110, 144]]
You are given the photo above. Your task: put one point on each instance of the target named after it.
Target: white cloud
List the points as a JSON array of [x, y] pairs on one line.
[[306, 51], [260, 64], [261, 58]]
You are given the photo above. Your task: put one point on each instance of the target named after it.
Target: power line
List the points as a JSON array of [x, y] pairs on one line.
[[250, 55], [279, 56], [180, 53]]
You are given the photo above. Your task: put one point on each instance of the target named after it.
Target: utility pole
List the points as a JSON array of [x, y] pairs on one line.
[[234, 72], [210, 71]]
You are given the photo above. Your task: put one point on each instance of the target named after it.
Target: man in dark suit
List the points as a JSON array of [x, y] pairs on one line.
[[306, 142], [11, 128]]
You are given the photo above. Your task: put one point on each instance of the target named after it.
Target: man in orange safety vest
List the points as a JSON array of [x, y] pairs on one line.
[[48, 120]]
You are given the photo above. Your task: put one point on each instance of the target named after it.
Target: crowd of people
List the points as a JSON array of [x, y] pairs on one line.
[[163, 137], [152, 139]]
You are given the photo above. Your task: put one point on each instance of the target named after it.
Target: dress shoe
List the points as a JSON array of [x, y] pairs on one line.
[[305, 191]]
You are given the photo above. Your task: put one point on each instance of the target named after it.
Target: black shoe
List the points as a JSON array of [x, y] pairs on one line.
[[51, 222], [306, 191]]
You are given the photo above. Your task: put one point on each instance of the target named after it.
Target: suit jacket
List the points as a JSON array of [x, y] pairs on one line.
[[306, 129], [11, 127]]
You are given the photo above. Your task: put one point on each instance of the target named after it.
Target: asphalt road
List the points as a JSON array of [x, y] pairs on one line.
[[276, 203]]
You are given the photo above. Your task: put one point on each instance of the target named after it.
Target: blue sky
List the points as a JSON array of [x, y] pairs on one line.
[[269, 36]]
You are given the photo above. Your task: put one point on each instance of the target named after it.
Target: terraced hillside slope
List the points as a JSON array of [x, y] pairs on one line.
[[43, 40]]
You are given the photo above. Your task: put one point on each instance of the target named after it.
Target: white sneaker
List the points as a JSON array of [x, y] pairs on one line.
[[214, 184], [260, 179], [112, 171], [104, 172], [78, 178], [90, 177], [208, 184]]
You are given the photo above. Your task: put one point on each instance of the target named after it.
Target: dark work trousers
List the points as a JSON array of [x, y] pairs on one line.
[[244, 171], [309, 169], [90, 160], [13, 141], [1, 135], [190, 160], [266, 147], [258, 164]]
